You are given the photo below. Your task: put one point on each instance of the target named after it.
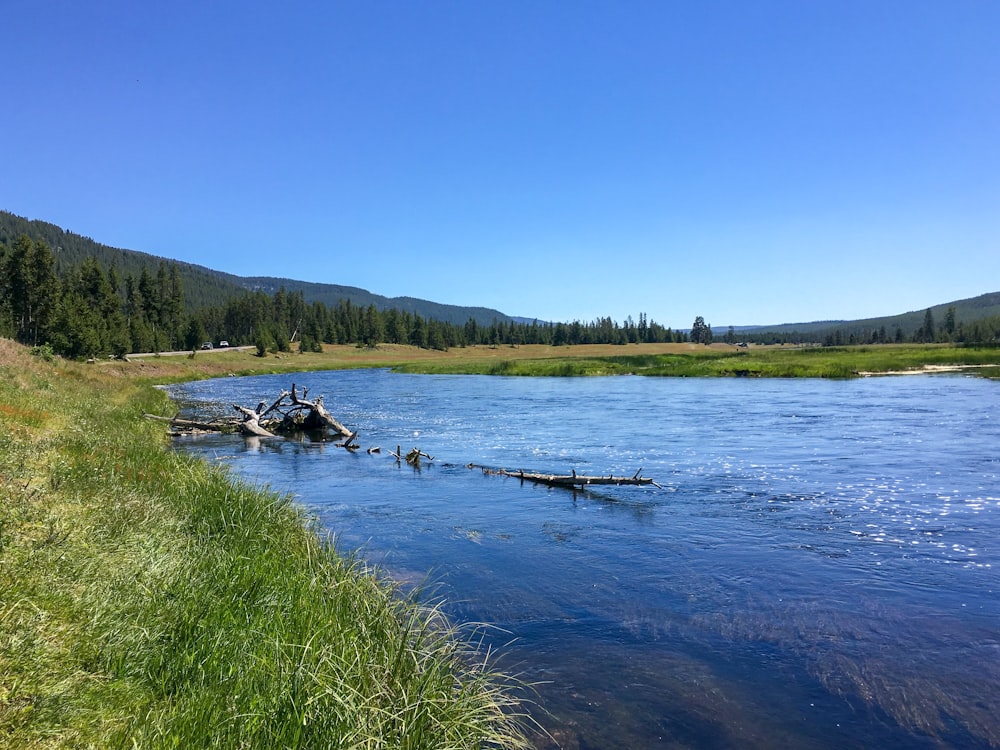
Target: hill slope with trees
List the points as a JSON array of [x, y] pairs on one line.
[[88, 310], [961, 320], [83, 299], [205, 286]]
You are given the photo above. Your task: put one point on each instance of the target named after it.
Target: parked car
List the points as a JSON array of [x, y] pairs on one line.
[[207, 345], [223, 344]]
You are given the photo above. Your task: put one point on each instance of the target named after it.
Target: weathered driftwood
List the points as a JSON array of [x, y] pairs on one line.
[[351, 443], [568, 480], [251, 422], [412, 457], [288, 413], [291, 412], [262, 412], [297, 414], [180, 426], [318, 416]]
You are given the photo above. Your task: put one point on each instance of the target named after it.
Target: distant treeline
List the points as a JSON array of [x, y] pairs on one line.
[[87, 310], [982, 331], [90, 311], [204, 286]]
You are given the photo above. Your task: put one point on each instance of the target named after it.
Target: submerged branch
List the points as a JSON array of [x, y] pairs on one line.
[[568, 480]]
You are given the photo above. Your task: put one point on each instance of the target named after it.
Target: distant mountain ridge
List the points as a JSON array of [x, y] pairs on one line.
[[966, 311], [331, 294], [204, 286]]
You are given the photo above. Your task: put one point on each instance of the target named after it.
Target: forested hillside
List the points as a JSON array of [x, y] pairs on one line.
[[952, 316], [965, 312], [332, 294], [205, 286], [87, 310], [72, 296]]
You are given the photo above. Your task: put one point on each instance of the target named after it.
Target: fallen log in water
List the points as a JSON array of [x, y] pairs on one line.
[[573, 480], [251, 422], [180, 426], [318, 416], [351, 443], [412, 457], [300, 414], [288, 414]]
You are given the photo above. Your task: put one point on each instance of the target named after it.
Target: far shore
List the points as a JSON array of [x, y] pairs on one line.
[[677, 360]]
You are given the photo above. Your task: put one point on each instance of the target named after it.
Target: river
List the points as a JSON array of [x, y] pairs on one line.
[[819, 567]]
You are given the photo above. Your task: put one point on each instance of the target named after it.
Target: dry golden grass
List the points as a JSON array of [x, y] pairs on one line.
[[245, 362], [13, 357], [685, 359]]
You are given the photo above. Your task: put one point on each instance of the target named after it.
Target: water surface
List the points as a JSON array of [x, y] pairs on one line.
[[819, 568]]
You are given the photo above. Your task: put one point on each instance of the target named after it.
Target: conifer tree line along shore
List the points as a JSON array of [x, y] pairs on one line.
[[88, 310]]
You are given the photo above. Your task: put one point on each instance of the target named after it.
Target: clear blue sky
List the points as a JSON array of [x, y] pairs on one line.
[[751, 162]]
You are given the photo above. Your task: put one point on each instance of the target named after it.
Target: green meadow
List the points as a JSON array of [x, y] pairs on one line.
[[666, 360], [727, 361], [149, 600]]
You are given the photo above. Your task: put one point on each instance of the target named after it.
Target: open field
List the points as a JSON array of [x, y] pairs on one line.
[[677, 360], [147, 600], [720, 360], [244, 360]]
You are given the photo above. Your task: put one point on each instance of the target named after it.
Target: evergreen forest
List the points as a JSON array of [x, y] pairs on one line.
[[88, 310]]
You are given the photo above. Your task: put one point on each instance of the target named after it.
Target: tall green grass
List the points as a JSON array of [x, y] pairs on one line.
[[809, 362], [149, 600]]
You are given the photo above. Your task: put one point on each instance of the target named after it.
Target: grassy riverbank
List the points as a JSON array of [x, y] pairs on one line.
[[687, 360], [149, 600], [667, 360]]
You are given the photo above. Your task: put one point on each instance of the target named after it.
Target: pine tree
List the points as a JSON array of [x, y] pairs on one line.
[[372, 330], [175, 305], [701, 332], [195, 334], [928, 328], [32, 289], [418, 333], [949, 321]]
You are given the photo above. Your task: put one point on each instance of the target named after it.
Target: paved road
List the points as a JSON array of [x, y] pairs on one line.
[[186, 352]]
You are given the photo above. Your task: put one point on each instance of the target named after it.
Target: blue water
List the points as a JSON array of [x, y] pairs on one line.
[[819, 568]]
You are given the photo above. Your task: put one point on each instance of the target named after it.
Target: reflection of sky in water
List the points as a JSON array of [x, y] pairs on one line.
[[819, 569]]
